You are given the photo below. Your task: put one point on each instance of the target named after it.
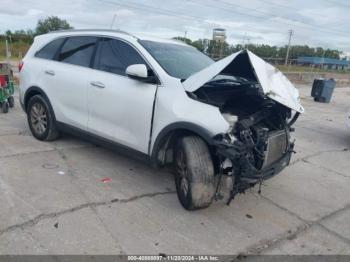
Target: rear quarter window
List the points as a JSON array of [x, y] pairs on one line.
[[78, 50], [50, 50]]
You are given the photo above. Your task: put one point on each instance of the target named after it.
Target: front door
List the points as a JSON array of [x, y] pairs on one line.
[[120, 108]]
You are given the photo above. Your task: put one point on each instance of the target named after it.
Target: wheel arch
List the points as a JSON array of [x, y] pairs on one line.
[[35, 90], [168, 136]]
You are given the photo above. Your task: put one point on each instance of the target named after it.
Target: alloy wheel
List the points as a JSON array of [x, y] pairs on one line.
[[38, 118], [181, 168]]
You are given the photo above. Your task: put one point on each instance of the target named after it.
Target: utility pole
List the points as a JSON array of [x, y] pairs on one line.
[[8, 54], [323, 54], [290, 33], [113, 20], [185, 36], [243, 43]]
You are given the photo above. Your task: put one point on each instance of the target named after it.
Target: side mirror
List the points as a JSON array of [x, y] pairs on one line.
[[137, 71]]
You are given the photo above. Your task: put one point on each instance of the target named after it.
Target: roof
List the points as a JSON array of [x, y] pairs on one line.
[[322, 60], [117, 31], [90, 30]]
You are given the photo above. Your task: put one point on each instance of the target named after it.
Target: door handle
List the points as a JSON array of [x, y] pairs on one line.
[[50, 72], [97, 84]]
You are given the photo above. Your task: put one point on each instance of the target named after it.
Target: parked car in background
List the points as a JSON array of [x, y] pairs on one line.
[[166, 102]]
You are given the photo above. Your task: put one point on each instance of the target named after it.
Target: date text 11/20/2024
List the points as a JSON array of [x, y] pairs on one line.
[[173, 258]]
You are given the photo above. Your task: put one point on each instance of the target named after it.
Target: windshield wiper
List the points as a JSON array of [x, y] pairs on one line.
[[233, 81]]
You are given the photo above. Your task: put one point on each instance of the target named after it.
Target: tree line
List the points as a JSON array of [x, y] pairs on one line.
[[217, 50], [20, 40]]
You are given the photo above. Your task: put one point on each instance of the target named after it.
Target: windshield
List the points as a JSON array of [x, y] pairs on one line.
[[179, 61]]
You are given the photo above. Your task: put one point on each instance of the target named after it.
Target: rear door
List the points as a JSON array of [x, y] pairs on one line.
[[67, 79], [120, 108]]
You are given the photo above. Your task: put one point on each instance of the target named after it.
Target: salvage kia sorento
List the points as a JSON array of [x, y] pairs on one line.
[[167, 102]]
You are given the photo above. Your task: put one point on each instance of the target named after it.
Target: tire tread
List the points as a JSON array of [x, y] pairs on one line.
[[201, 169]]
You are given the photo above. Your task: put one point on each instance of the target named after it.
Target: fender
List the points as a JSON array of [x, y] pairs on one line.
[[205, 134]]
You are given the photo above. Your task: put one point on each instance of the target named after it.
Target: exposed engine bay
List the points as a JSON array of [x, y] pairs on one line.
[[261, 105], [257, 145]]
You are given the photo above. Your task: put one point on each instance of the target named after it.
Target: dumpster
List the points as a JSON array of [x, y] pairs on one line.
[[322, 90]]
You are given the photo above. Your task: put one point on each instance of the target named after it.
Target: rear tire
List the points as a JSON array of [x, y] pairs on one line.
[[194, 173], [5, 107], [41, 119], [11, 101]]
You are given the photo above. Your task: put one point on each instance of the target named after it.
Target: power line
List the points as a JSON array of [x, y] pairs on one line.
[[283, 6], [300, 24], [148, 8], [172, 13], [338, 3], [168, 12]]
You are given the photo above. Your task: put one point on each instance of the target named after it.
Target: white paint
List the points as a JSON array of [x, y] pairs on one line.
[[138, 70], [274, 84], [121, 111]]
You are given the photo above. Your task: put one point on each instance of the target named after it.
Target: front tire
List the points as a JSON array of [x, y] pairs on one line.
[[41, 119], [194, 173]]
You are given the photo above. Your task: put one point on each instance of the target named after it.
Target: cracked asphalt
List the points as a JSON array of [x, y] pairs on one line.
[[53, 200]]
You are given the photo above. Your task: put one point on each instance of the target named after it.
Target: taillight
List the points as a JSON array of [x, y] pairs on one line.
[[20, 65]]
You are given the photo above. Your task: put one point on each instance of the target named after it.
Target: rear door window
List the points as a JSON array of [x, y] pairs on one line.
[[50, 50], [115, 56], [78, 50]]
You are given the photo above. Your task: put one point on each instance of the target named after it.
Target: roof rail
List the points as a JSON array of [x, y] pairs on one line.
[[88, 30]]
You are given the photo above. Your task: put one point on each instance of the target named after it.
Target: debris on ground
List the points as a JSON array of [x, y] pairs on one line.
[[50, 166], [106, 180], [249, 216]]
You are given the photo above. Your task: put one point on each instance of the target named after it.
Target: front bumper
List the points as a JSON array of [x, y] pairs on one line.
[[245, 174], [253, 176]]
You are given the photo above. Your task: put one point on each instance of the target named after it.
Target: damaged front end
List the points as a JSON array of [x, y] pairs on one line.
[[258, 143], [257, 147]]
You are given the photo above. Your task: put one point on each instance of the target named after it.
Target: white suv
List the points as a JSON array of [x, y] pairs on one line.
[[166, 101]]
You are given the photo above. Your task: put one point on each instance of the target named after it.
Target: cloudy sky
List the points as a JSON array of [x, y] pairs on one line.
[[315, 22]]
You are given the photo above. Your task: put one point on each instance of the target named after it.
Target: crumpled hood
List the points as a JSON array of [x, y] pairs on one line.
[[274, 84]]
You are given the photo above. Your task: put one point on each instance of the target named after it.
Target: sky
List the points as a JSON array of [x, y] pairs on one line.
[[323, 23]]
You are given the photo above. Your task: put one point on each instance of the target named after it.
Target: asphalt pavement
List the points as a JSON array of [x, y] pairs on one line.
[[72, 197]]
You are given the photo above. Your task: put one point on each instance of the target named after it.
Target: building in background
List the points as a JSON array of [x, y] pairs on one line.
[[323, 62], [345, 55], [219, 35], [206, 43]]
